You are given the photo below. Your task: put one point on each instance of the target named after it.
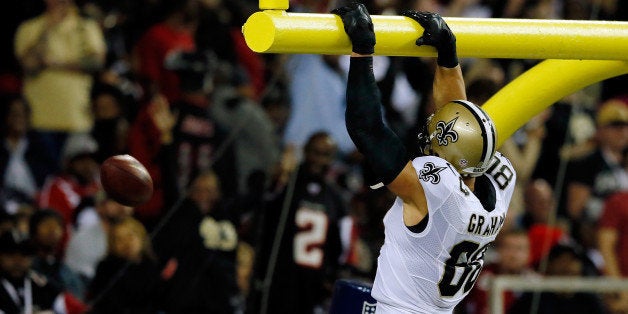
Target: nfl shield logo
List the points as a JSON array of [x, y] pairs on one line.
[[368, 308]]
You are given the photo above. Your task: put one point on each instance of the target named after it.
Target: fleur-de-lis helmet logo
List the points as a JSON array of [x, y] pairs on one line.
[[445, 132]]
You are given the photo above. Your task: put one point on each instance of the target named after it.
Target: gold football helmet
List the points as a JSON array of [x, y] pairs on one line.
[[463, 134]]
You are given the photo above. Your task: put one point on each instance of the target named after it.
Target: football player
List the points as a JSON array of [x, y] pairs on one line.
[[451, 201]]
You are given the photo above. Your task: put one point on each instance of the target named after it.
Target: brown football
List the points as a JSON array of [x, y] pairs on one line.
[[126, 180]]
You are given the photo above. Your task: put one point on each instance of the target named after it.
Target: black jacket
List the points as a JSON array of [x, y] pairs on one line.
[[123, 287], [204, 248]]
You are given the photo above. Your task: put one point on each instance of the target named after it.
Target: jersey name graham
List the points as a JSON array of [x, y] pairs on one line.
[[481, 225], [432, 271]]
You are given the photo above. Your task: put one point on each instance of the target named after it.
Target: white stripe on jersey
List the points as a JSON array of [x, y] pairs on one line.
[[432, 271]]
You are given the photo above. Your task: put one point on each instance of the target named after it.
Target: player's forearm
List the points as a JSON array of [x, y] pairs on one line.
[[448, 85], [364, 112], [382, 148]]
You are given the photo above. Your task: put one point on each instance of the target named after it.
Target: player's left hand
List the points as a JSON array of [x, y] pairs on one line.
[[358, 26], [436, 34]]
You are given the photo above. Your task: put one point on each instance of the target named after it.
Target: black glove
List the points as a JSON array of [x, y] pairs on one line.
[[437, 34], [358, 26]]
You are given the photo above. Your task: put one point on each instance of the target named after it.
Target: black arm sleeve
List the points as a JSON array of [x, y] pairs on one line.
[[384, 151]]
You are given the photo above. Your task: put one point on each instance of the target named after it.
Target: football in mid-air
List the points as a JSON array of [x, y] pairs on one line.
[[126, 180]]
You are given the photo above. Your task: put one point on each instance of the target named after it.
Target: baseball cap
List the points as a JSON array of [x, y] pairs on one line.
[[78, 144], [612, 112]]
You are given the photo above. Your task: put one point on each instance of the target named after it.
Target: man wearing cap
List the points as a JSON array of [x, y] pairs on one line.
[[21, 290], [597, 175], [78, 181]]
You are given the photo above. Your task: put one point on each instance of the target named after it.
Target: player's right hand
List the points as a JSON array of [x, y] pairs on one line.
[[358, 26], [436, 34]]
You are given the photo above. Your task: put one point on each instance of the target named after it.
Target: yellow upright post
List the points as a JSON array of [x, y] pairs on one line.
[[275, 31], [274, 4], [543, 85], [598, 50]]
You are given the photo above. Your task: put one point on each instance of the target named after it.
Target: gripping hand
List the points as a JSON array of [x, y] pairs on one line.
[[437, 34], [358, 26]]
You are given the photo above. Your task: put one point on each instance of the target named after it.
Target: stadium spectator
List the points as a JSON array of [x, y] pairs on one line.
[[539, 205], [219, 31], [75, 186], [128, 279], [256, 145], [358, 260], [569, 130], [88, 244], [513, 252], [613, 243], [316, 80], [22, 289], [150, 139], [24, 161], [198, 244], [563, 260], [46, 231], [174, 34], [600, 173], [177, 141], [59, 50], [309, 247], [110, 121], [277, 107]]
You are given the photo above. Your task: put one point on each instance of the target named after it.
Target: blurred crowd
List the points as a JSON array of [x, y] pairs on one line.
[[261, 201]]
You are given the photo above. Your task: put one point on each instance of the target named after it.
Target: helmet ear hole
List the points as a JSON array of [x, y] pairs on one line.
[[424, 138]]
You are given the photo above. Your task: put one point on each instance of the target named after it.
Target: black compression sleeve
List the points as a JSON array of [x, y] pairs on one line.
[[382, 148]]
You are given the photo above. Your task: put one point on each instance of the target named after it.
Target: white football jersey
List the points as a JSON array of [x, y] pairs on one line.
[[433, 270]]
